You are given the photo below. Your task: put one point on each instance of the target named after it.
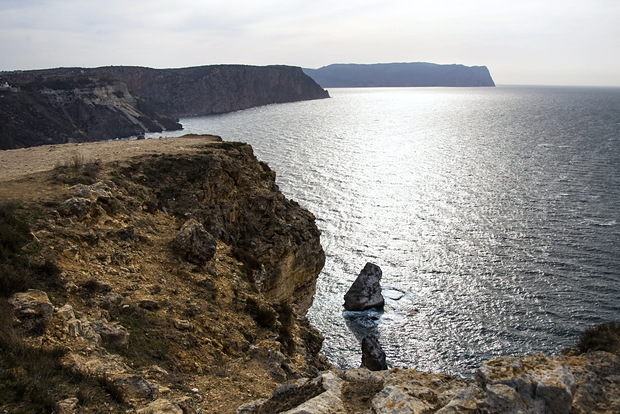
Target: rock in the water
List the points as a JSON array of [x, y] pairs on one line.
[[365, 292], [195, 243], [373, 356]]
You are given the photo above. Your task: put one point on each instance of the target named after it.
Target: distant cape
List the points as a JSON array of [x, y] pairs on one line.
[[399, 74]]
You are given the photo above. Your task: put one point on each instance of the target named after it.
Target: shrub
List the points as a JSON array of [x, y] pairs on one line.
[[604, 337], [19, 270], [147, 343]]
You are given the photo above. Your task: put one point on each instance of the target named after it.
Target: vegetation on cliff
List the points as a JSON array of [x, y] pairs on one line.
[[106, 309]]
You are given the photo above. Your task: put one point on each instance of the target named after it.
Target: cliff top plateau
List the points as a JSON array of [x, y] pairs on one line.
[[399, 75], [64, 105]]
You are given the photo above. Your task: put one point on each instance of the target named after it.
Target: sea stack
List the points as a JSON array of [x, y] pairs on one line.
[[373, 356], [365, 292]]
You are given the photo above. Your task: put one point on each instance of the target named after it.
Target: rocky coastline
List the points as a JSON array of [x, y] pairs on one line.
[[55, 106], [177, 281]]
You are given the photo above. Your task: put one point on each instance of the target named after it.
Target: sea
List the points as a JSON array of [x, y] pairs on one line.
[[492, 212]]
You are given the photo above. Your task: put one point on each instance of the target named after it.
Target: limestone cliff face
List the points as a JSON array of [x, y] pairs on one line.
[[237, 200], [180, 277], [78, 105], [76, 108], [217, 89]]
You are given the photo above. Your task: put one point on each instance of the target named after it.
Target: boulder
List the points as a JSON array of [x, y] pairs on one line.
[[112, 335], [394, 400], [98, 191], [76, 206], [33, 310], [321, 395], [149, 304], [365, 292], [131, 387], [194, 243], [161, 406], [518, 384], [373, 356]]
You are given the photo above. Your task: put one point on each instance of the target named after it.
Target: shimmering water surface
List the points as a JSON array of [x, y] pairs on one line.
[[494, 210]]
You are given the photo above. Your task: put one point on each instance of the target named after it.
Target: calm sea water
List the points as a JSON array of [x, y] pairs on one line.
[[493, 213]]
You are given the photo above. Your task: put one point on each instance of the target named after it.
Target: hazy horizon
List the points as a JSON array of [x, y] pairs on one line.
[[545, 42]]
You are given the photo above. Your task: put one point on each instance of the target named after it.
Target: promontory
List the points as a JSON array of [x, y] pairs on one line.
[[400, 75], [54, 106]]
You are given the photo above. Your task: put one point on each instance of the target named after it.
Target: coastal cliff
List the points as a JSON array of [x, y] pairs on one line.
[[90, 104], [172, 276], [179, 277], [400, 75], [80, 108], [216, 89]]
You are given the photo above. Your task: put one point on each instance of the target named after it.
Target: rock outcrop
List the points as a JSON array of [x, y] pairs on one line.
[[373, 356], [399, 75], [365, 292], [148, 320], [90, 104], [535, 384]]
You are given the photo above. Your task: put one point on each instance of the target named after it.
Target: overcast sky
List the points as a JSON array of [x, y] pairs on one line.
[[553, 42]]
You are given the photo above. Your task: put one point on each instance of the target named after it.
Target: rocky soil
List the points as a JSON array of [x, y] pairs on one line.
[[181, 283]]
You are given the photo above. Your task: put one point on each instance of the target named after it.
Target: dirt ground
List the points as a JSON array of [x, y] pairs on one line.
[[22, 170], [21, 162]]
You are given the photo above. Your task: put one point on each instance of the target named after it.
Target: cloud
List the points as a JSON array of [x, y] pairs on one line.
[[511, 38]]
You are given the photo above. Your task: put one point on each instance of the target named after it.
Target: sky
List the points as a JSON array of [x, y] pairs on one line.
[[544, 42]]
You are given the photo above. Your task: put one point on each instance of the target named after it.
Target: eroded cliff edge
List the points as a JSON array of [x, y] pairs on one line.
[[62, 105], [181, 278]]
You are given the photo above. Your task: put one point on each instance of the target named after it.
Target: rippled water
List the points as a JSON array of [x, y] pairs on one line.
[[494, 210]]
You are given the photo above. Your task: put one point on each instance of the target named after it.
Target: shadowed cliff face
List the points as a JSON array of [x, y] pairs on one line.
[[78, 105], [275, 239], [76, 108], [217, 89]]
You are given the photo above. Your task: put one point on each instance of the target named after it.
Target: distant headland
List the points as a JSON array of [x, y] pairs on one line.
[[55, 106], [399, 75]]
